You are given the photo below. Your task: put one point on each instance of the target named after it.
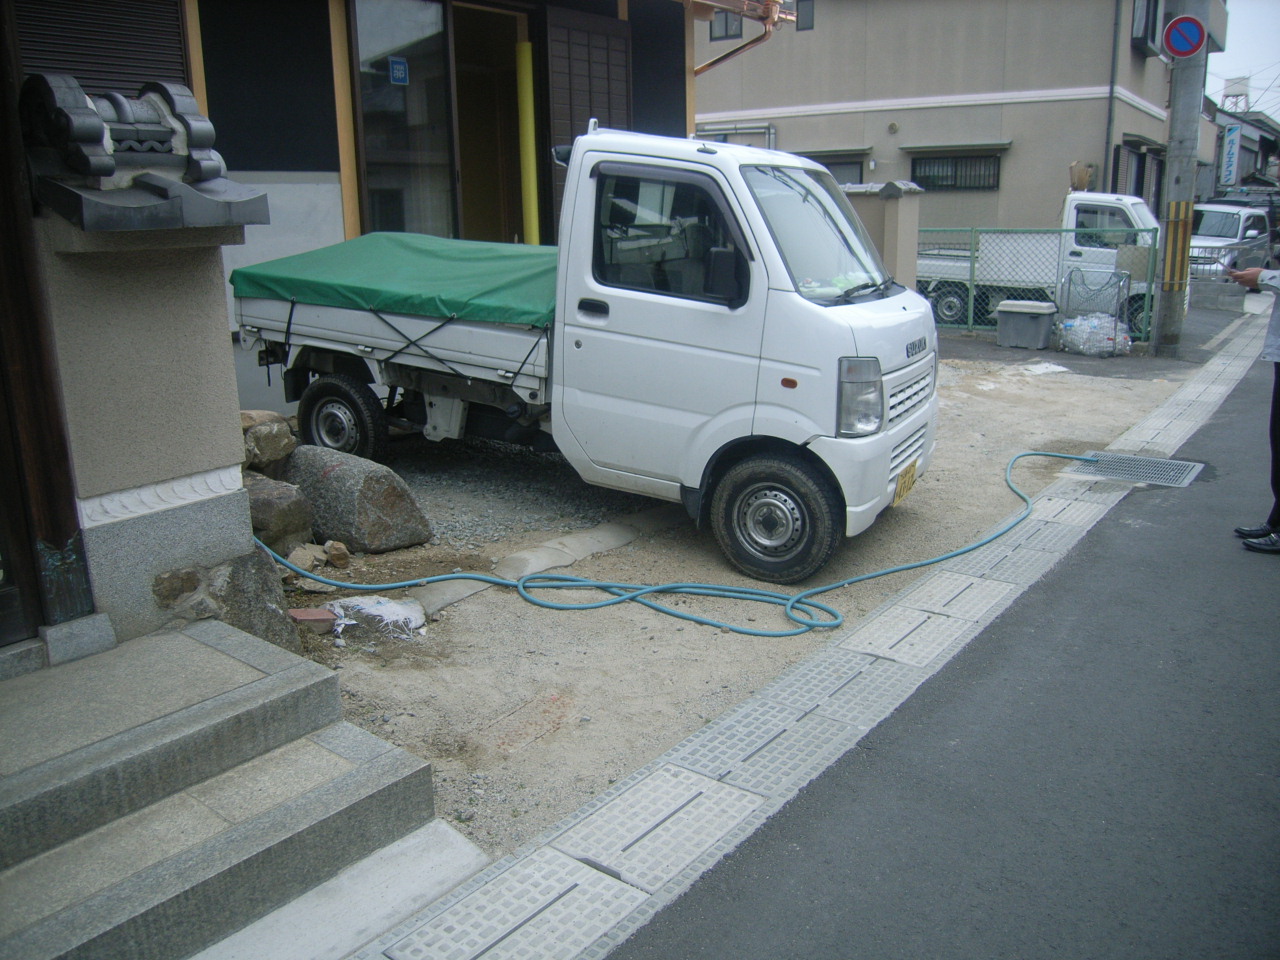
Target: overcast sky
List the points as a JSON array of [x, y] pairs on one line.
[[1253, 51]]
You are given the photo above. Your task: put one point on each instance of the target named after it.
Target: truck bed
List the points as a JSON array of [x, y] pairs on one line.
[[479, 310]]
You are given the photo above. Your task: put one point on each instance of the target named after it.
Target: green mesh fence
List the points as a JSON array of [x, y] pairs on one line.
[[967, 273]]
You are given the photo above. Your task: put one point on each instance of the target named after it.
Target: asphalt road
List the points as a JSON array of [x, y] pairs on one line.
[[1095, 776]]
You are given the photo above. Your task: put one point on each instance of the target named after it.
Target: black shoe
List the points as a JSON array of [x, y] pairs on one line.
[[1267, 544], [1253, 533]]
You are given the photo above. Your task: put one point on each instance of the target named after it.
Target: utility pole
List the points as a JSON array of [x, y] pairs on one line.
[[1186, 98]]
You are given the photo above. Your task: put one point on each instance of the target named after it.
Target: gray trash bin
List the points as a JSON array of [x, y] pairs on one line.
[[1024, 323]]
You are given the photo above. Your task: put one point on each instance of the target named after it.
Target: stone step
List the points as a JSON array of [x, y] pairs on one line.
[[103, 737], [180, 874]]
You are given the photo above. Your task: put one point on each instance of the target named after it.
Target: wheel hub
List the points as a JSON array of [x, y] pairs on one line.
[[771, 521], [336, 427]]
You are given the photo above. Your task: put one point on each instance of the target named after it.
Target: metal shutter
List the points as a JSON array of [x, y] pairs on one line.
[[107, 45]]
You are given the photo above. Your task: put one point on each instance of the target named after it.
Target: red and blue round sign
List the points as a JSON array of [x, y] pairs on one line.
[[1184, 36]]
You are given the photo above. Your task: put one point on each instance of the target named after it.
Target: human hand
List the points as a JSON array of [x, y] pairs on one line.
[[1246, 278]]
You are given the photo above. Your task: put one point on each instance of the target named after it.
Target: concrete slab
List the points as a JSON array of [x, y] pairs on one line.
[[74, 639], [340, 916], [267, 781], [74, 871], [140, 680]]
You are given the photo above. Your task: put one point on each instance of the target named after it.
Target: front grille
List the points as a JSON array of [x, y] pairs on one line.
[[908, 450], [905, 398]]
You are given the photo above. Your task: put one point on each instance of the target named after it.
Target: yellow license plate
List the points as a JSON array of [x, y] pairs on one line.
[[906, 480]]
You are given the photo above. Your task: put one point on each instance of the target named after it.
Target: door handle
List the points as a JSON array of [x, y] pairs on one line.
[[597, 307], [1074, 253]]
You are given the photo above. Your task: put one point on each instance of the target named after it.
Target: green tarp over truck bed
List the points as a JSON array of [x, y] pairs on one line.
[[415, 274]]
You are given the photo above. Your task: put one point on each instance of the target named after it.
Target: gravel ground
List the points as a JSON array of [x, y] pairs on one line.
[[527, 713]]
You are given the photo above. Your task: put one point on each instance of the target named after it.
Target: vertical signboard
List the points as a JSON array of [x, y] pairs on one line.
[[1229, 172]]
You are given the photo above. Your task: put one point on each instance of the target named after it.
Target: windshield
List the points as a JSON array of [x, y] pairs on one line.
[[827, 251], [1215, 223]]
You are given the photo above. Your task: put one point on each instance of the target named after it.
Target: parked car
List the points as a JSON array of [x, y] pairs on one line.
[[1227, 237]]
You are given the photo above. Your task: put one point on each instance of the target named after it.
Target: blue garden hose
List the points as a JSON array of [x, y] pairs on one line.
[[806, 612]]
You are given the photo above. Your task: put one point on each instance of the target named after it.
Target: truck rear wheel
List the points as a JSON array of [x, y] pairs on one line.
[[777, 518], [341, 413], [950, 303]]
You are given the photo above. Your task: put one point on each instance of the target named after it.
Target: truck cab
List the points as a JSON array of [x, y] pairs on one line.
[[727, 336]]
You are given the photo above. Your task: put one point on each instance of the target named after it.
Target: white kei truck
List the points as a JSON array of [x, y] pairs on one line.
[[714, 328], [1096, 235]]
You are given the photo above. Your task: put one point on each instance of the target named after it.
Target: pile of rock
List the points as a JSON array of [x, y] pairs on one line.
[[326, 502]]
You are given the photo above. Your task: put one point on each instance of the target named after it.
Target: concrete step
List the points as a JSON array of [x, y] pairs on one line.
[[164, 712], [182, 873]]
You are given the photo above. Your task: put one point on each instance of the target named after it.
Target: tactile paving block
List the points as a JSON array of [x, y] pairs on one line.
[[545, 907], [956, 595], [809, 683], [909, 635], [978, 562], [794, 757], [1054, 537], [873, 694], [1082, 514], [1024, 565], [654, 830], [719, 746]]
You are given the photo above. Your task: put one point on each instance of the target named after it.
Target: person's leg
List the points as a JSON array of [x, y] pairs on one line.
[[1274, 520]]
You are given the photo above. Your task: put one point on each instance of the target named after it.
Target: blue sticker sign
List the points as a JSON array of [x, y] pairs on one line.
[[398, 70], [1184, 36]]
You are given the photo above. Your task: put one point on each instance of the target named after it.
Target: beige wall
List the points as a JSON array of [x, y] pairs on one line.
[[140, 336], [881, 75]]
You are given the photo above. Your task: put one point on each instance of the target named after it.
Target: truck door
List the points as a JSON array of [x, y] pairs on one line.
[[1098, 232], [1089, 261], [653, 368]]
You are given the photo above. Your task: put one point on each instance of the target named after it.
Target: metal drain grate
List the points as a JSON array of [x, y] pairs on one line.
[[1117, 466]]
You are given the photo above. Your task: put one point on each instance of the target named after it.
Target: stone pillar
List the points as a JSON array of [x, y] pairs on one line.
[[891, 213], [139, 331]]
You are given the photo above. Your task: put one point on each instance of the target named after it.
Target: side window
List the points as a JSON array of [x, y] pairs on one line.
[[1096, 226], [657, 235]]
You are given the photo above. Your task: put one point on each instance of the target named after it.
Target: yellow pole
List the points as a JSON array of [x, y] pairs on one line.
[[347, 159], [528, 142]]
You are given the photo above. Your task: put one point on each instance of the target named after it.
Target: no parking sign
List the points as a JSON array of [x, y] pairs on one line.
[[1184, 37]]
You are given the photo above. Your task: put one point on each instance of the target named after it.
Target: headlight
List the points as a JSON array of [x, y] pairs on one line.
[[860, 409]]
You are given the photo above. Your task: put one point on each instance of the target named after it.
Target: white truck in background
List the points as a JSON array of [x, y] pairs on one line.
[[1097, 235], [714, 329]]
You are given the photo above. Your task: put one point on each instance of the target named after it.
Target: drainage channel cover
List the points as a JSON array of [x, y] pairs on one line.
[[1117, 466]]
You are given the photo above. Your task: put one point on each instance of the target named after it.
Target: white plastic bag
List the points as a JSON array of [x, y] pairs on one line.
[[396, 619], [1095, 335]]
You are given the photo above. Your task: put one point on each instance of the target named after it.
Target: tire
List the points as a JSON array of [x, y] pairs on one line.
[[777, 518], [1134, 308], [341, 413], [950, 303]]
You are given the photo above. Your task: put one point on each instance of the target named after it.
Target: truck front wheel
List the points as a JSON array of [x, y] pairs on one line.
[[341, 413], [777, 518]]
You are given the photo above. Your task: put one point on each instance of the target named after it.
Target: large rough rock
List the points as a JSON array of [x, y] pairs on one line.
[[244, 592], [361, 503], [279, 512], [267, 438]]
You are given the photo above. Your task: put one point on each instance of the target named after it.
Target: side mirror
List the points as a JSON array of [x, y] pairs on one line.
[[1252, 234], [722, 275]]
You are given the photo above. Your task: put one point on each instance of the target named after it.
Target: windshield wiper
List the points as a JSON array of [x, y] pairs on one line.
[[869, 287]]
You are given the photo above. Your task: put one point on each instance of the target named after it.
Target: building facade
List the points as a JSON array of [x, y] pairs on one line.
[[986, 104], [119, 446]]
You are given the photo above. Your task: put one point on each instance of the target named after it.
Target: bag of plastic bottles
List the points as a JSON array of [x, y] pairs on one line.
[[1094, 335]]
